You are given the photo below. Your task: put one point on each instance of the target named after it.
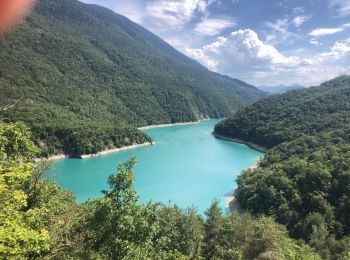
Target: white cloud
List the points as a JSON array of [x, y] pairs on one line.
[[213, 26], [175, 13], [338, 51], [316, 43], [240, 50], [281, 25], [342, 6], [199, 55], [299, 20], [329, 31], [157, 13], [177, 42], [280, 31], [325, 31], [243, 55]]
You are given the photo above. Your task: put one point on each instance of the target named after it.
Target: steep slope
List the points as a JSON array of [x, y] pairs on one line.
[[71, 67], [304, 180]]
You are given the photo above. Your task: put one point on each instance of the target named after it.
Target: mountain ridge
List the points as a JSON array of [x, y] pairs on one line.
[[71, 66], [278, 118], [280, 89]]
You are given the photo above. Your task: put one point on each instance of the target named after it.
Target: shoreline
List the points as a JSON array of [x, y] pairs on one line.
[[116, 150], [51, 158], [101, 153], [166, 125], [232, 202], [235, 140]]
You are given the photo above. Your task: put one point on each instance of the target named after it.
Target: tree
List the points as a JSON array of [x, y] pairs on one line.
[[212, 228], [244, 237], [15, 143], [120, 227], [17, 237], [34, 213], [180, 231]]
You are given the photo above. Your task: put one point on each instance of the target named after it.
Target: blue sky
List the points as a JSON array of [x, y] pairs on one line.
[[263, 42]]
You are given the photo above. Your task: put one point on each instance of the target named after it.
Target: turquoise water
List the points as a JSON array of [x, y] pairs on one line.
[[186, 166]]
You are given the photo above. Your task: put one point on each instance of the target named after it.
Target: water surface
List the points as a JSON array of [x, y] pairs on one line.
[[186, 166]]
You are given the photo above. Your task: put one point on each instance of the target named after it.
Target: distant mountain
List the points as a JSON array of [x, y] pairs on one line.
[[76, 73], [280, 89]]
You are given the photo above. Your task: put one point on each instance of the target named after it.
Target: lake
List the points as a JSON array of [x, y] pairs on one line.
[[187, 166]]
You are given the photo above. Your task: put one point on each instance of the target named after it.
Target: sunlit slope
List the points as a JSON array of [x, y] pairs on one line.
[[71, 65], [297, 113]]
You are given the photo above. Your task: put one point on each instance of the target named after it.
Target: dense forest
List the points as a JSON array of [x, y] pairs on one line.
[[40, 221], [70, 69], [297, 113], [304, 180]]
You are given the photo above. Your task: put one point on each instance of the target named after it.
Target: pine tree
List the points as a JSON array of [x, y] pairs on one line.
[[212, 228]]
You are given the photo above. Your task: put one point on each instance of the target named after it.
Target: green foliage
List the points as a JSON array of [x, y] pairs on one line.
[[15, 143], [298, 113], [17, 237], [180, 232], [212, 227], [72, 70], [243, 237], [304, 180], [121, 227], [39, 220], [116, 227], [87, 139], [33, 211]]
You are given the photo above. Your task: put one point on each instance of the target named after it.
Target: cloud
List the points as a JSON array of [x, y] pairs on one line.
[[157, 13], [280, 31], [175, 13], [240, 50], [281, 25], [315, 43], [299, 20], [213, 26], [342, 6], [325, 31], [200, 56], [243, 55], [328, 31], [338, 51]]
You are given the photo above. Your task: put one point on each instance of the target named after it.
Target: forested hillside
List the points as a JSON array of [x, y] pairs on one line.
[[40, 221], [304, 180], [71, 68], [297, 113]]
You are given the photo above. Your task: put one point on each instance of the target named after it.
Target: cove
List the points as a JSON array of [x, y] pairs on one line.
[[187, 166]]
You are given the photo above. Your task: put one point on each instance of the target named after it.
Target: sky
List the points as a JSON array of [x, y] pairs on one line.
[[263, 42]]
